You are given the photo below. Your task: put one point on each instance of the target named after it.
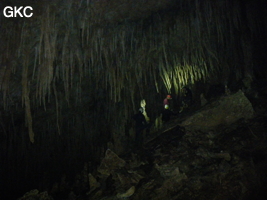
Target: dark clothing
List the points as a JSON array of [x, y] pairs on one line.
[[140, 119], [187, 97], [166, 115], [140, 125]]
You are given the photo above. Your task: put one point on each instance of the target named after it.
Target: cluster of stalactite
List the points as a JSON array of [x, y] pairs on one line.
[[59, 51]]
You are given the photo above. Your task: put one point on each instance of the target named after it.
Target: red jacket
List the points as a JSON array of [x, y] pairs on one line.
[[165, 102]]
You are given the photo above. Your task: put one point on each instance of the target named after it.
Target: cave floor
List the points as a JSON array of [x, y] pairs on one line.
[[228, 163]]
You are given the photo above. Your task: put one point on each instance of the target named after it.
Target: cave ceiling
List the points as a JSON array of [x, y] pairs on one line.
[[122, 51]]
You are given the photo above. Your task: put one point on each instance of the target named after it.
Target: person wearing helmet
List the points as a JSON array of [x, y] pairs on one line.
[[166, 114], [166, 101]]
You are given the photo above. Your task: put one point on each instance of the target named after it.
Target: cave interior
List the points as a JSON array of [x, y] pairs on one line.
[[74, 73]]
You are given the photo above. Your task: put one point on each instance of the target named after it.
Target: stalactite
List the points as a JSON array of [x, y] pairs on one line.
[[57, 106], [26, 99], [125, 60]]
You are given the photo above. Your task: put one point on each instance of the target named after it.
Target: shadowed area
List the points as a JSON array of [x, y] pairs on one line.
[[74, 74]]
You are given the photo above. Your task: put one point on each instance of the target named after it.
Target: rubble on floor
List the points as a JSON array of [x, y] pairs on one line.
[[35, 194], [222, 162]]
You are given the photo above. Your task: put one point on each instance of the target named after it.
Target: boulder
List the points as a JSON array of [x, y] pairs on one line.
[[223, 112], [110, 163]]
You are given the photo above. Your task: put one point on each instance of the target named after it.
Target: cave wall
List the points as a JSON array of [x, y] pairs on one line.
[[74, 74]]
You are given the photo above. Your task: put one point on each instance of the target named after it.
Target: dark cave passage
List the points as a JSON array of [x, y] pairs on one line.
[[74, 74]]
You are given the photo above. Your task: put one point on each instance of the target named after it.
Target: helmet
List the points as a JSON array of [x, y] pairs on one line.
[[169, 96], [166, 106]]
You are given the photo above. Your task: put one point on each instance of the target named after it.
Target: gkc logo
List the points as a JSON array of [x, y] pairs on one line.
[[20, 11]]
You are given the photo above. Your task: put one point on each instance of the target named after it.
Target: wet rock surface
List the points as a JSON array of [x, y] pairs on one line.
[[227, 161]]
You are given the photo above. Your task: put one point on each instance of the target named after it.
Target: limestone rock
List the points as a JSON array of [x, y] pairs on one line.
[[167, 171], [128, 178], [222, 112], [34, 194], [93, 182], [110, 163], [174, 183], [128, 193], [225, 156]]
